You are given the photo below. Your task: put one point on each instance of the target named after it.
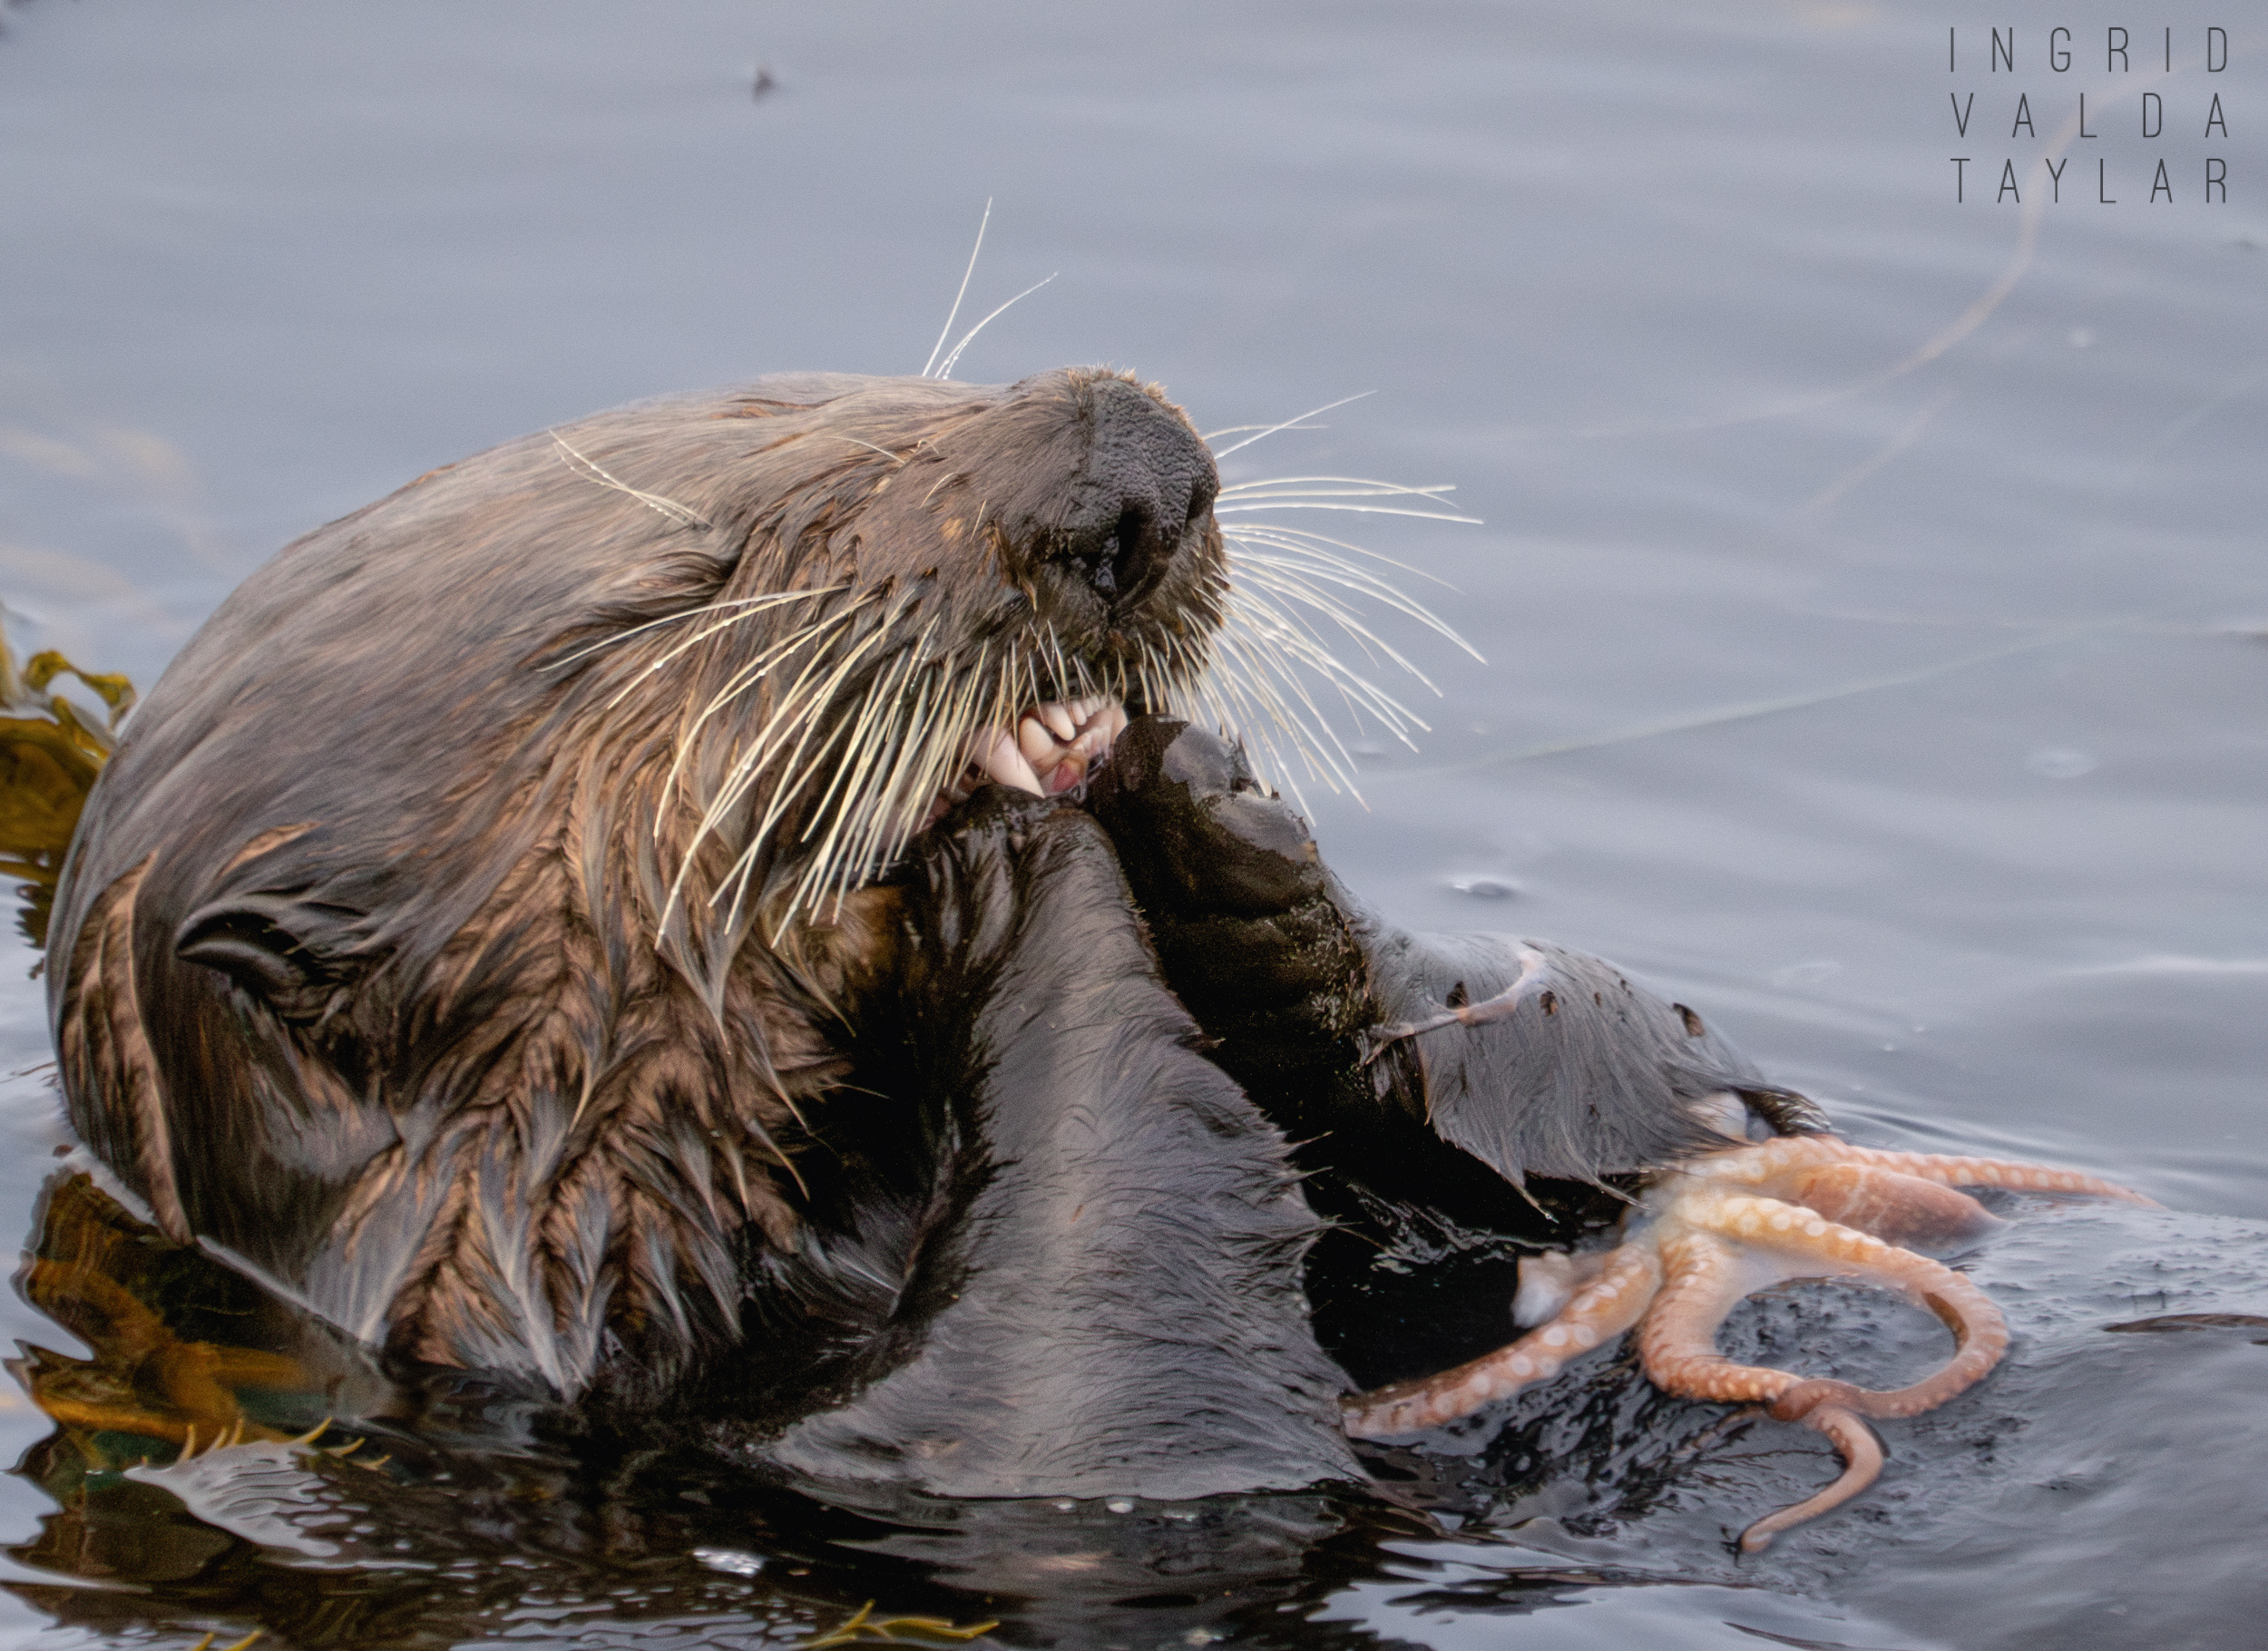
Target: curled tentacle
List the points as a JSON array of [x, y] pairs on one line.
[[1702, 1281], [1861, 1455], [1981, 1336], [1716, 1228], [1602, 1310], [1980, 1333]]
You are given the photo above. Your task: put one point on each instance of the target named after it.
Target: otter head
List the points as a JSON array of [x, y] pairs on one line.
[[427, 941], [965, 583]]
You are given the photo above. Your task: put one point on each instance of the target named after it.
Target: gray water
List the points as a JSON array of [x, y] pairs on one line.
[[1871, 586]]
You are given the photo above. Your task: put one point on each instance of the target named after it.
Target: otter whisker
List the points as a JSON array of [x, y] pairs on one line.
[[1278, 630], [679, 514], [896, 801], [950, 699], [929, 739], [1300, 577], [969, 337], [740, 683], [1366, 510], [806, 697], [899, 746], [739, 877], [849, 777], [882, 831], [1256, 668], [1063, 683], [895, 458], [1224, 692], [805, 694], [1258, 656], [1024, 676], [1306, 542], [754, 670], [1286, 640], [1267, 430], [1210, 436], [887, 827], [1342, 487], [753, 603], [1249, 706], [1285, 584], [761, 664], [1290, 583], [954, 314]]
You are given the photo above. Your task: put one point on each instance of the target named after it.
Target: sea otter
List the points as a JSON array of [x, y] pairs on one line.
[[555, 923], [450, 934]]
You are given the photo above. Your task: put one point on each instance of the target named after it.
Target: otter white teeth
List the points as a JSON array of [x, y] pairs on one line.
[[1053, 749], [1062, 759], [993, 753], [1037, 740]]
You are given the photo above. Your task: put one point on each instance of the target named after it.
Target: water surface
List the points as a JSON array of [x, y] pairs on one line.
[[1871, 587]]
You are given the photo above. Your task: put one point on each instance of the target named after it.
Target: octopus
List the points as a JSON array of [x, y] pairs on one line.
[[1716, 1228]]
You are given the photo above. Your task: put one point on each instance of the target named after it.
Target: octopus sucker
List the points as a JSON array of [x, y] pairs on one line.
[[1717, 1228]]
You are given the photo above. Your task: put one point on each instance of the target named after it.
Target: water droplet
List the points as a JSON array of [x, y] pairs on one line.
[[730, 1560], [1118, 1504], [1485, 888]]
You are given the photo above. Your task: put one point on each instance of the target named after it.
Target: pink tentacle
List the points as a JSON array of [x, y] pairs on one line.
[[1702, 1282], [1602, 1310], [1980, 1335], [1894, 1206], [1948, 1170], [1774, 1161], [1980, 1338], [1861, 1455]]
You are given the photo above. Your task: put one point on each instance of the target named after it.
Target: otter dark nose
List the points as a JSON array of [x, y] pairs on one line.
[[1146, 483]]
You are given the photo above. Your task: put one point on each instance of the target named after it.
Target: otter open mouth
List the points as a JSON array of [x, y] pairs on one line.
[[1053, 749]]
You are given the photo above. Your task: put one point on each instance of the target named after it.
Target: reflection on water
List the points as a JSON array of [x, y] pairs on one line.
[[1909, 724], [185, 1463], [202, 1454]]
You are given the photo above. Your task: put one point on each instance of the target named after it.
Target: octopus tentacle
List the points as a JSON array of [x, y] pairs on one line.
[[1774, 1160], [1980, 1335], [1861, 1455], [1702, 1281], [1894, 1206], [1714, 1228], [1948, 1170], [2016, 1178], [1598, 1313]]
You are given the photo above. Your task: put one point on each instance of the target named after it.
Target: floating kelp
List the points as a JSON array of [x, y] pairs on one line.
[[49, 756]]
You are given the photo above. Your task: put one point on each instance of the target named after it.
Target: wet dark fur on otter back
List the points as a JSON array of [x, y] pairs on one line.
[[423, 944]]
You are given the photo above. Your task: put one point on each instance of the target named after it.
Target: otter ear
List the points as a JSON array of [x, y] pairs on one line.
[[289, 953]]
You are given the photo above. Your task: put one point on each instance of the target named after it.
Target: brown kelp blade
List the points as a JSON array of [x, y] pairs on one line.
[[49, 756]]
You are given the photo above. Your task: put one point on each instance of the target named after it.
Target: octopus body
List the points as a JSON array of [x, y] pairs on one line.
[[1720, 1226]]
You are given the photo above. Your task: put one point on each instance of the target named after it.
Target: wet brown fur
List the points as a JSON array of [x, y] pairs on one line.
[[407, 952]]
